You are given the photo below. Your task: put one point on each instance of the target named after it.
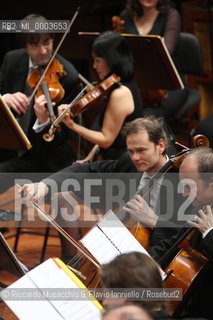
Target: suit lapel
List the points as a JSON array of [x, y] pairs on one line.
[[21, 73]]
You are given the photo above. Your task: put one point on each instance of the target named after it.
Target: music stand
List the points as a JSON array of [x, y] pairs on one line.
[[8, 260], [154, 66], [12, 136]]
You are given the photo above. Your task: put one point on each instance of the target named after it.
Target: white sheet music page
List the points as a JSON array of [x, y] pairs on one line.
[[99, 245], [109, 238], [50, 276]]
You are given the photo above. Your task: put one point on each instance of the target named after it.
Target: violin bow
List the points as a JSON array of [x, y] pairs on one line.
[[54, 54]]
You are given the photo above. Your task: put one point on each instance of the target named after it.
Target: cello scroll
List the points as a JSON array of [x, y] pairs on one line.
[[200, 141]]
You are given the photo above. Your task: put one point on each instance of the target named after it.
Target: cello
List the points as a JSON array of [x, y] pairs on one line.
[[141, 232], [184, 269], [188, 263]]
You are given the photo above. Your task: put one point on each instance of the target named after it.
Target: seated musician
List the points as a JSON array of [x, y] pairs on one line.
[[17, 67], [122, 104], [136, 271], [147, 145], [139, 273], [159, 18], [127, 311], [197, 168]]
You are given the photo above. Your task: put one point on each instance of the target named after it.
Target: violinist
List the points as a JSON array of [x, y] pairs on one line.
[[197, 168], [111, 56], [18, 65], [156, 17], [147, 153]]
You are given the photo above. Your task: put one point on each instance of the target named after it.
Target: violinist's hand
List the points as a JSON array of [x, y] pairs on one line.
[[18, 101], [203, 220], [41, 110], [66, 119], [140, 210], [81, 161], [34, 191]]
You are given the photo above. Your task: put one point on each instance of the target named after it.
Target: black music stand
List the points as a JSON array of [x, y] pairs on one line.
[[154, 66], [8, 260]]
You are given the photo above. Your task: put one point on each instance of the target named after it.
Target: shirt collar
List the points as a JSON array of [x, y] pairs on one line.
[[31, 65], [146, 175]]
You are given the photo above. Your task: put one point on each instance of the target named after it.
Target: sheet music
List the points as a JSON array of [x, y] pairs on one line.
[[109, 238], [50, 275], [99, 245]]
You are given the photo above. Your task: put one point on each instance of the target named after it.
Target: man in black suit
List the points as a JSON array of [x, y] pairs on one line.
[[196, 174], [146, 144], [15, 89]]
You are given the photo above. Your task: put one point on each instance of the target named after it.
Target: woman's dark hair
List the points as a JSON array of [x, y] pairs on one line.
[[133, 270], [136, 9], [33, 37], [113, 48]]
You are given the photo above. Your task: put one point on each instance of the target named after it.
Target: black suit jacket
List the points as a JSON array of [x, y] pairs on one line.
[[57, 154]]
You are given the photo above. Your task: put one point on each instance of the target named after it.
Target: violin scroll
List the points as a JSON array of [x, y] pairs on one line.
[[200, 141], [117, 24], [49, 136]]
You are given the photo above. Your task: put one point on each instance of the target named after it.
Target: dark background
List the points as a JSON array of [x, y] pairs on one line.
[[94, 15]]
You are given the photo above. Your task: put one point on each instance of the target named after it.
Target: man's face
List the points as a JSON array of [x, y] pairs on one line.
[[41, 52], [145, 155], [194, 188]]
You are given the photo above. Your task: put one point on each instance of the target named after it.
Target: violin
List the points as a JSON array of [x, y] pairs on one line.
[[85, 102], [52, 76], [53, 72], [91, 97], [117, 24], [152, 97]]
